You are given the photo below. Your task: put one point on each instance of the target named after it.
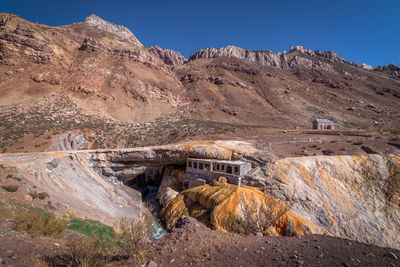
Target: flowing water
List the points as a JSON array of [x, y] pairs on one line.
[[150, 199]]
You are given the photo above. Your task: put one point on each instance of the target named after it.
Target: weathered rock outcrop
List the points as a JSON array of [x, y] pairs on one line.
[[390, 69], [243, 209], [306, 58], [328, 55], [170, 57], [118, 30], [350, 196], [366, 66], [266, 58], [140, 55], [307, 63]]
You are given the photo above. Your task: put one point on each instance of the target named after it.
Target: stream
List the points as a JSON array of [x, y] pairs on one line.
[[150, 198]]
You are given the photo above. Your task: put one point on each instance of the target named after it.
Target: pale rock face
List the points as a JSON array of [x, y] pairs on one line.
[[302, 62], [118, 30], [266, 58], [170, 57], [319, 60], [73, 184], [366, 67], [356, 197], [328, 55]]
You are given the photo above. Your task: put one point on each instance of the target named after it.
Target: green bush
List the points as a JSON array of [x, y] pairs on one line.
[[10, 188], [38, 221]]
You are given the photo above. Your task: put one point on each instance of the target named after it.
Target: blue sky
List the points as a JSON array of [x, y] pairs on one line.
[[358, 30]]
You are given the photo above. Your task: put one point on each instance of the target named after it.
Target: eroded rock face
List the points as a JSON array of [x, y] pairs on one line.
[[74, 186], [356, 197], [308, 59], [306, 63], [127, 164], [118, 30], [390, 69], [329, 55], [170, 57], [243, 209], [140, 55], [69, 141], [266, 58]]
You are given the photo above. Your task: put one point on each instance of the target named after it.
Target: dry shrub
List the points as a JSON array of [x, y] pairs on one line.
[[89, 251], [10, 188], [132, 236], [37, 221], [41, 195]]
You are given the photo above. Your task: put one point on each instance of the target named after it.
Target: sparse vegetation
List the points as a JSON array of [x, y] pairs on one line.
[[367, 127], [97, 242], [10, 188], [88, 251], [41, 195], [357, 143], [38, 221], [132, 236]]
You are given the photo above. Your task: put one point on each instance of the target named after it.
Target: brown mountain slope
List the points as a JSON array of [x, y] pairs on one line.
[[95, 78]]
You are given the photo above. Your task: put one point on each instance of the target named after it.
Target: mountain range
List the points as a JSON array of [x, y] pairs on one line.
[[96, 79]]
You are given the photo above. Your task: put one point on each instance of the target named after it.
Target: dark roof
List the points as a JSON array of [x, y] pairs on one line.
[[323, 121]]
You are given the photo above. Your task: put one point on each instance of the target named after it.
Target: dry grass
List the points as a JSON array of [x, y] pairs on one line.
[[132, 236], [89, 251], [38, 221], [128, 242]]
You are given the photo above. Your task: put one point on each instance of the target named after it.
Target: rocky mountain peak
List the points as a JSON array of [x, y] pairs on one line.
[[118, 30]]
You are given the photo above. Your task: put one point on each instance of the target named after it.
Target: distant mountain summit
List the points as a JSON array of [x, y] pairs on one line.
[[118, 30]]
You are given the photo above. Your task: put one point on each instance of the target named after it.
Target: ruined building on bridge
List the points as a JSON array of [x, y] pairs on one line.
[[201, 171]]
